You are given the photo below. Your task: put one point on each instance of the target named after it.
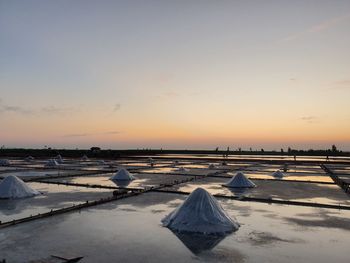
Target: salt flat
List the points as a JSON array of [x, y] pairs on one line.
[[129, 229]]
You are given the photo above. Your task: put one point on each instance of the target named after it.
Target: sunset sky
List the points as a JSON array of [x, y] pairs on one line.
[[175, 74]]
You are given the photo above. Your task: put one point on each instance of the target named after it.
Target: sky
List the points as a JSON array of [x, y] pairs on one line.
[[175, 74]]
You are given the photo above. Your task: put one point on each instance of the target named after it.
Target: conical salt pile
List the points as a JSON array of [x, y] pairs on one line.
[[4, 162], [278, 174], [240, 181], [59, 159], [151, 162], [84, 158], [122, 175], [200, 213], [13, 187], [181, 169], [29, 158], [212, 166], [51, 163]]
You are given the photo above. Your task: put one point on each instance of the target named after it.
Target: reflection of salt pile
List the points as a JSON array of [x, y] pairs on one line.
[[4, 162], [51, 163], [200, 213], [278, 174], [240, 181], [122, 175], [199, 242], [101, 162], [13, 187]]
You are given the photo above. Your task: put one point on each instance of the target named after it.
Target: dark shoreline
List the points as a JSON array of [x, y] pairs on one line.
[[77, 153]]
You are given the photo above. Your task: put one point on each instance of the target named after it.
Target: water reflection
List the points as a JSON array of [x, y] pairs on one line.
[[121, 183], [239, 191], [8, 205], [199, 242]]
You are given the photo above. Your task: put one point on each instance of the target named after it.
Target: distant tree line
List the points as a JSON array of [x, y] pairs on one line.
[[97, 152]]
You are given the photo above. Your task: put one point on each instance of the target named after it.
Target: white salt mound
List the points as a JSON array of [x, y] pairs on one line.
[[84, 158], [200, 213], [4, 162], [13, 187], [151, 162], [59, 159], [29, 158], [181, 169], [122, 175], [212, 166], [51, 163], [278, 174], [240, 181]]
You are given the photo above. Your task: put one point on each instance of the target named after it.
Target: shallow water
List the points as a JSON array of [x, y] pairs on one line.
[[52, 197], [305, 192], [141, 180], [37, 173], [188, 171], [130, 231], [291, 176]]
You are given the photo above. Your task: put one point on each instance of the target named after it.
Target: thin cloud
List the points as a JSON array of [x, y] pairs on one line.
[[112, 132], [325, 25], [116, 107], [171, 94], [328, 23], [5, 108], [341, 84], [75, 135], [309, 119], [15, 109], [168, 94], [51, 110]]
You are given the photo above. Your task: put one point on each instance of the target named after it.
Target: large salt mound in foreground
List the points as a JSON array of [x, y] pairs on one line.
[[200, 213], [13, 187], [122, 175], [240, 181]]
